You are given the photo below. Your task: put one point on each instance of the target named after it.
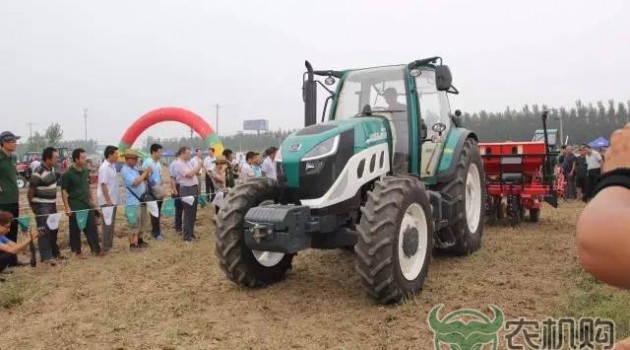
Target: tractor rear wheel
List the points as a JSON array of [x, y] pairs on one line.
[[243, 266], [395, 239], [468, 192]]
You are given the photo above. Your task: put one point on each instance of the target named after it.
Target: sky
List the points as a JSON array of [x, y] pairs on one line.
[[120, 59]]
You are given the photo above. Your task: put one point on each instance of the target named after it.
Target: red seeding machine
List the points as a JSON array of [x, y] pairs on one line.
[[519, 177]]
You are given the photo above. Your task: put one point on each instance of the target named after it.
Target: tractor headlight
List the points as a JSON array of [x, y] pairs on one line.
[[324, 149]]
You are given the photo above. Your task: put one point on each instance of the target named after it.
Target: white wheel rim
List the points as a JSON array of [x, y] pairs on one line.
[[20, 183], [411, 264], [266, 258], [473, 198]]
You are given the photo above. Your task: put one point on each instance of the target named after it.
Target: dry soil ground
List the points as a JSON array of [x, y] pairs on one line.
[[174, 296]]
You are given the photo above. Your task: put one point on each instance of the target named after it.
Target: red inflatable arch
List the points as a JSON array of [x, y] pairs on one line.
[[172, 114]]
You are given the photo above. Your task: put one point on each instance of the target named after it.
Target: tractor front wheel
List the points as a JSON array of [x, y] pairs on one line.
[[21, 182], [468, 192], [395, 239], [243, 266]]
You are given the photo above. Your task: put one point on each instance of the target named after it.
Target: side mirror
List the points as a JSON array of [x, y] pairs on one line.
[[443, 78]]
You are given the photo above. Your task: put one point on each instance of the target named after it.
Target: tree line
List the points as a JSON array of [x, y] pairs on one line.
[[581, 123], [237, 143]]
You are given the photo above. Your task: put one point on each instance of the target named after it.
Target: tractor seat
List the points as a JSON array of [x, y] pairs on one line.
[[512, 177]]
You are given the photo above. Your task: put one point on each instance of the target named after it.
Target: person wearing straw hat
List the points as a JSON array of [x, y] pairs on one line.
[[135, 203], [219, 177]]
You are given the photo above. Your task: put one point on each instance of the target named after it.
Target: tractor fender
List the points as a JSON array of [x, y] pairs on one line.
[[453, 148]]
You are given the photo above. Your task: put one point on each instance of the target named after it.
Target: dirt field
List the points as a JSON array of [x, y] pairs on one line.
[[173, 296]]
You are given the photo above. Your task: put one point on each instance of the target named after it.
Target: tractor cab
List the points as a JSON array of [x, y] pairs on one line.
[[552, 136], [411, 101]]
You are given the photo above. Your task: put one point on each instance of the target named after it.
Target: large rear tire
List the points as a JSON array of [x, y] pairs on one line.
[[468, 192], [395, 239], [240, 264]]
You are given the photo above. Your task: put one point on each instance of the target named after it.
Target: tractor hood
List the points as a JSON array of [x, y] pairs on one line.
[[312, 158]]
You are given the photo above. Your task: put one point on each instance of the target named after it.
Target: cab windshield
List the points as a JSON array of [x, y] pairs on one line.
[[379, 91], [374, 90]]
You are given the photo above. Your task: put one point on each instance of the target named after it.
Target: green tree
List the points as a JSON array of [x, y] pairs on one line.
[[36, 143], [54, 134]]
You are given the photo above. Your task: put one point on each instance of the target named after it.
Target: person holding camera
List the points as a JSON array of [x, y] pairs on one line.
[[136, 196], [602, 229], [156, 186], [8, 248]]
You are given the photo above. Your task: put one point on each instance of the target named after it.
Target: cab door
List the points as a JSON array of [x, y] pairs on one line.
[[434, 115]]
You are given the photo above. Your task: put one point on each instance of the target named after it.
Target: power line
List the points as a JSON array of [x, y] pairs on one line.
[[30, 129]]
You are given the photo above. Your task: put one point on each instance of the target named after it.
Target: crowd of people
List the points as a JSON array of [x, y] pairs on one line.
[[579, 171], [145, 191]]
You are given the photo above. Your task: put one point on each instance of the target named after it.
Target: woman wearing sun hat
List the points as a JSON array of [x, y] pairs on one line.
[[220, 179]]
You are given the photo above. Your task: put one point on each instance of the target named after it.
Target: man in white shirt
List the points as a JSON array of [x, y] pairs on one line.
[[269, 164], [107, 193], [188, 180], [197, 161], [247, 172], [210, 164], [594, 163]]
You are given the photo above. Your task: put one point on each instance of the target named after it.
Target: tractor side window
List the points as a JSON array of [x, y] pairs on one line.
[[431, 105]]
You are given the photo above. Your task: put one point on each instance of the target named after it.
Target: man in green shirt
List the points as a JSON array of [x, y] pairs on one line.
[[76, 194], [9, 193]]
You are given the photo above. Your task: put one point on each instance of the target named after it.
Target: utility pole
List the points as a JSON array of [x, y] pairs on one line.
[[216, 106], [30, 129], [85, 115], [191, 133]]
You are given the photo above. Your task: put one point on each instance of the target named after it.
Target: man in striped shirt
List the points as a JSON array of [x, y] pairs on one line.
[[42, 196]]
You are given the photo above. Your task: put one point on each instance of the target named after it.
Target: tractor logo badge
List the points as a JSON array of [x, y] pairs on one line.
[[377, 136], [466, 328], [295, 147]]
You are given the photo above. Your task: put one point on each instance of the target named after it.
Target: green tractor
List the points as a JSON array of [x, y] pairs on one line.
[[391, 174]]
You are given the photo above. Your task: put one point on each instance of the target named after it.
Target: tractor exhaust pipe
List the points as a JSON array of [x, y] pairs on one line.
[[309, 95]]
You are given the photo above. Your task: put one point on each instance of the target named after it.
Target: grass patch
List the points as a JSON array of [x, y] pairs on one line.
[[11, 295], [592, 298]]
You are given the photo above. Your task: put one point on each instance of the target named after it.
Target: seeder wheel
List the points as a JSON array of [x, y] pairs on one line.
[[515, 210]]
